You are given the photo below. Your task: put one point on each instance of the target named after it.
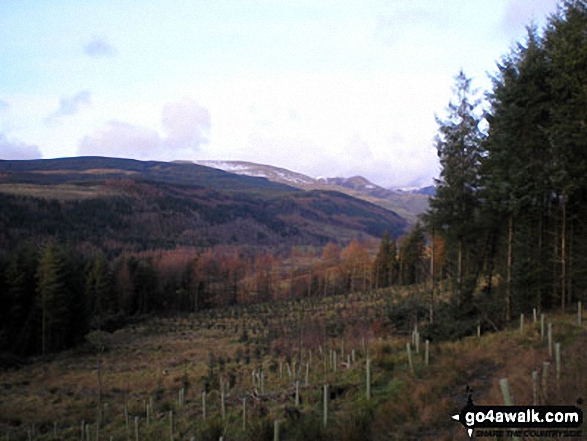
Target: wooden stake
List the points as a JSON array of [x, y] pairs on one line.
[[507, 398], [557, 350], [244, 413], [276, 430], [427, 353], [148, 410], [223, 403], [521, 324], [204, 405], [545, 366], [579, 313], [368, 381], [325, 410], [535, 388], [136, 428], [550, 340], [409, 349], [541, 327], [505, 391], [181, 400]]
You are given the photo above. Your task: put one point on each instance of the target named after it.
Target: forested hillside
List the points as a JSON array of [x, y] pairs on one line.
[[511, 200], [138, 205], [89, 242]]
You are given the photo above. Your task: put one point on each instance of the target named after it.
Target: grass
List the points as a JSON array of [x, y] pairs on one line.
[[155, 359], [63, 192]]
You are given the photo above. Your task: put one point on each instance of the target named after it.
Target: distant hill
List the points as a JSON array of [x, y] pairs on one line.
[[408, 204], [430, 190], [127, 204], [95, 168]]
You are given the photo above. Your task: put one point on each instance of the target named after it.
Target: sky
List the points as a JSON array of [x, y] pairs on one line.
[[321, 87]]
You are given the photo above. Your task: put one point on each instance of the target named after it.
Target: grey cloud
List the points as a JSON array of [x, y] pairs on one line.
[[70, 105], [17, 150], [99, 47]]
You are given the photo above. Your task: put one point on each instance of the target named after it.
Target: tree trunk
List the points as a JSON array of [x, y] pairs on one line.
[[510, 261], [540, 259], [564, 254], [44, 325], [432, 280], [570, 272], [555, 284], [459, 292]]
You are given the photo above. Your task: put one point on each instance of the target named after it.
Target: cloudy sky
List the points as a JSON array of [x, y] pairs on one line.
[[321, 87]]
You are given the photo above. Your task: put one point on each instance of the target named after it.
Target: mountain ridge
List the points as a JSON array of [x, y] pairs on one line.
[[138, 205], [408, 204]]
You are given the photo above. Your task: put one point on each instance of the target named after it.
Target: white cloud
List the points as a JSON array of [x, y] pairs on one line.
[[520, 13], [10, 149], [121, 139], [325, 125], [185, 123]]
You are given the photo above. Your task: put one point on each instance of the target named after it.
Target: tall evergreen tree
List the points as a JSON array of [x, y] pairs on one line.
[[411, 256], [52, 299], [516, 171], [19, 334], [99, 288], [566, 50], [385, 267], [454, 208]]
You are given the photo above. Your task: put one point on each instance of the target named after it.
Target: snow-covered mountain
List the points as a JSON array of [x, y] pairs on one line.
[[261, 171], [407, 204]]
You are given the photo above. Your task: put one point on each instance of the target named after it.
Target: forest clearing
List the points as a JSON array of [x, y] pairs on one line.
[[154, 378]]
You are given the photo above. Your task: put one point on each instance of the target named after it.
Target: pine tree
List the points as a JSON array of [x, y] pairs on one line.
[[19, 305], [566, 50], [52, 300], [98, 288], [411, 256], [516, 171], [454, 209], [385, 266]]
